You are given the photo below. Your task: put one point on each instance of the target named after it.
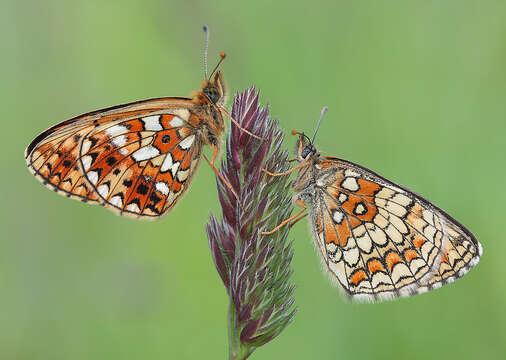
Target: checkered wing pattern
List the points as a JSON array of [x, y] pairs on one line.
[[380, 240], [135, 159]]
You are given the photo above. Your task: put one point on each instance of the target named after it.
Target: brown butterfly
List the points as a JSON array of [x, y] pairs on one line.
[[377, 239], [136, 159]]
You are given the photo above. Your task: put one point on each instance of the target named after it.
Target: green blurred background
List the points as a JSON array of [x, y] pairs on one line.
[[415, 89]]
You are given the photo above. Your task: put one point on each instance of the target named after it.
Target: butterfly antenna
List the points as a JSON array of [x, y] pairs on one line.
[[206, 31], [223, 56], [301, 134], [324, 110]]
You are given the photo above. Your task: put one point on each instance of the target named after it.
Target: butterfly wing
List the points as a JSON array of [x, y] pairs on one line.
[[136, 159], [380, 240]]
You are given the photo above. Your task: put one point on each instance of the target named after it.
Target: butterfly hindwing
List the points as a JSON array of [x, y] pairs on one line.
[[381, 240]]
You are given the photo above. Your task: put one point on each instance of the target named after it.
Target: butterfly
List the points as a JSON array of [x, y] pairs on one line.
[[137, 159], [378, 240]]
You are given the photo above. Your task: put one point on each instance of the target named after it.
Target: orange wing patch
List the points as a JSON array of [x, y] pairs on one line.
[[374, 265], [357, 277]]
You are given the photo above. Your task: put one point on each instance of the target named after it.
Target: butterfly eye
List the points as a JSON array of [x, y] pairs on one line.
[[212, 93], [307, 151]]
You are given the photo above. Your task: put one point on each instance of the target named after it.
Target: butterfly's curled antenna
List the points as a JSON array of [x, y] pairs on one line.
[[301, 134], [206, 31], [324, 110]]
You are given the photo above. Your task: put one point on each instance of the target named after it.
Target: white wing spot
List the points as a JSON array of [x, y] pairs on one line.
[[379, 278], [402, 199], [119, 141], [364, 243], [399, 271], [350, 183], [377, 234], [176, 122], [169, 164], [416, 264], [86, 160], [187, 142], [363, 239], [395, 208], [350, 243], [145, 153], [162, 187], [399, 224], [116, 130], [338, 216], [351, 256], [152, 123], [380, 220], [342, 197], [385, 193], [428, 216], [93, 177], [331, 248], [116, 201], [429, 232], [86, 146], [133, 208], [103, 190], [360, 209], [394, 234]]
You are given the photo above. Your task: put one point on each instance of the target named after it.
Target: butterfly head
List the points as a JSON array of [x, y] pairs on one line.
[[215, 89], [304, 148]]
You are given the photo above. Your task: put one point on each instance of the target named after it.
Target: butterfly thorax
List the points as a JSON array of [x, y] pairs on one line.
[[314, 173], [304, 183]]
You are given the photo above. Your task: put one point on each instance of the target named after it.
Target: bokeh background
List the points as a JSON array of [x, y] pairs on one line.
[[415, 89]]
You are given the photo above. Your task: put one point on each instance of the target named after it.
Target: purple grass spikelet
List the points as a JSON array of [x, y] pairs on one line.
[[254, 268]]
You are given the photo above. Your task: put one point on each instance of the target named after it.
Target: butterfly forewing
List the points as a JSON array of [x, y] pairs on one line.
[[135, 159], [380, 240]]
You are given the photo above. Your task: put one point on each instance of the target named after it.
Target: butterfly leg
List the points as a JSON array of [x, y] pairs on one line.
[[239, 126], [211, 163], [286, 172], [215, 151], [290, 219], [295, 221]]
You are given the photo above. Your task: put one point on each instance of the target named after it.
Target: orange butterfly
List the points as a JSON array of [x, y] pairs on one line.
[[136, 159], [377, 239]]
